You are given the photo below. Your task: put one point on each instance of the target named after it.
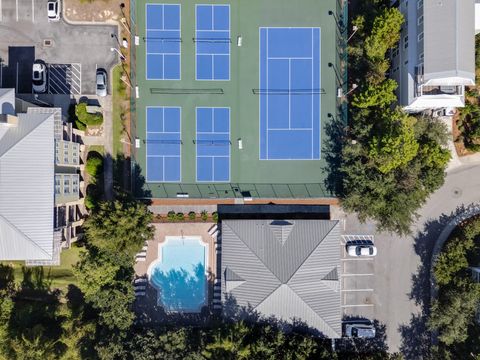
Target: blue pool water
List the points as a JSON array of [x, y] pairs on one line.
[[179, 275]]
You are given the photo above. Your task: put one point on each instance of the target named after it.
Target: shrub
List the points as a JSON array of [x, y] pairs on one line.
[[87, 118], [79, 125], [180, 216], [215, 217], [90, 202], [171, 216], [94, 165], [192, 215], [204, 215]]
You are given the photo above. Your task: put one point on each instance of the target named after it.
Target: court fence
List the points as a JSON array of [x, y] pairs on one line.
[[133, 92], [342, 9], [232, 191]]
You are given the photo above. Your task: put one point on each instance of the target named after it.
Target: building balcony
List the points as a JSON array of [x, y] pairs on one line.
[[458, 90]]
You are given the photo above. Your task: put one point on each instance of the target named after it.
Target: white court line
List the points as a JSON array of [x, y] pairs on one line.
[[350, 274], [357, 305], [355, 290], [33, 10], [1, 11], [16, 8]]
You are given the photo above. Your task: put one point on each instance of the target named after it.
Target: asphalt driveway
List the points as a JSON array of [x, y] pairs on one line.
[[72, 52]]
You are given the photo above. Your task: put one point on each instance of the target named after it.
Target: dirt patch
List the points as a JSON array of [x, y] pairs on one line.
[[459, 145], [94, 130], [94, 11]]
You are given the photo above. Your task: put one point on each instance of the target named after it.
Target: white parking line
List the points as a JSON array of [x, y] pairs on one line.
[[357, 259], [355, 290], [357, 305], [357, 274]]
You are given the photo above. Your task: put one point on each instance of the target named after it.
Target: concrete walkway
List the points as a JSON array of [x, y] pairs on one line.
[[454, 161], [457, 161]]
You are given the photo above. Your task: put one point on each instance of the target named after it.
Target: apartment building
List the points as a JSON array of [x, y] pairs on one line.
[[435, 58], [41, 195]]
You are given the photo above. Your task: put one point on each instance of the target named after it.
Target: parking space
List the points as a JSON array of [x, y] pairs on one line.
[[65, 79], [73, 51], [358, 300]]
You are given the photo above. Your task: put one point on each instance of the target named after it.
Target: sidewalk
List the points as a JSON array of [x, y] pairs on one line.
[[457, 161]]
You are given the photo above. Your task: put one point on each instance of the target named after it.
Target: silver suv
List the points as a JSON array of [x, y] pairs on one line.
[[360, 330]]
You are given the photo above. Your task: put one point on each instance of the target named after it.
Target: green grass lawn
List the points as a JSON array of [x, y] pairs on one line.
[[119, 96], [58, 276]]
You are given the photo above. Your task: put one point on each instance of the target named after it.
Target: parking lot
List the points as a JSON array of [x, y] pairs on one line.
[[71, 52], [358, 300]]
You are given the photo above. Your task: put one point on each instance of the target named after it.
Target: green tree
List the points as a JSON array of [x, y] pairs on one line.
[[105, 280], [94, 165], [392, 198], [33, 345], [385, 33], [395, 145], [452, 259], [229, 342], [119, 226], [452, 313], [381, 95]]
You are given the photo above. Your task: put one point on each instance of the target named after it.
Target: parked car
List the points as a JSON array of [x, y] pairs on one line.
[[101, 82], [361, 250], [360, 330], [39, 77], [53, 9]]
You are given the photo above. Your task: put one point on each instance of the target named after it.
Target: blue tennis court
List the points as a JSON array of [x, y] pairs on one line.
[[163, 144], [163, 40], [289, 93], [212, 37], [213, 144]]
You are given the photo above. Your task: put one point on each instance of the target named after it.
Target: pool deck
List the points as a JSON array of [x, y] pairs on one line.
[[148, 304]]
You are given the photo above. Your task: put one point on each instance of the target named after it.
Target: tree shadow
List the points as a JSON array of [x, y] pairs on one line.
[[7, 280], [233, 312], [416, 338], [333, 144], [351, 347], [36, 317]]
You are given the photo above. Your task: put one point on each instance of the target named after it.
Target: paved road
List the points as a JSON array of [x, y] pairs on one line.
[[401, 269], [77, 49]]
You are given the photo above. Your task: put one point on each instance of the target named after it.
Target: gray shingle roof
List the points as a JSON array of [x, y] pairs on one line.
[[288, 269]]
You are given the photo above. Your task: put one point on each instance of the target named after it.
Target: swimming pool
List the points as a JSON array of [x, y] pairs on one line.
[[179, 274]]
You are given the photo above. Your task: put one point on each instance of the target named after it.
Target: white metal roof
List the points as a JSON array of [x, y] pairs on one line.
[[27, 188], [286, 269]]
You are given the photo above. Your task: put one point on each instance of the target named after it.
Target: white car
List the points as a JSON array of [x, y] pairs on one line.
[[361, 250], [39, 77], [53, 8], [360, 330]]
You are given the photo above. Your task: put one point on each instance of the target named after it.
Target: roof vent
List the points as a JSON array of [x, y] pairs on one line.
[[281, 229]]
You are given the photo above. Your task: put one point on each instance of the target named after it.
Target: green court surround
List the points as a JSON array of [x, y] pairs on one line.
[[249, 175]]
